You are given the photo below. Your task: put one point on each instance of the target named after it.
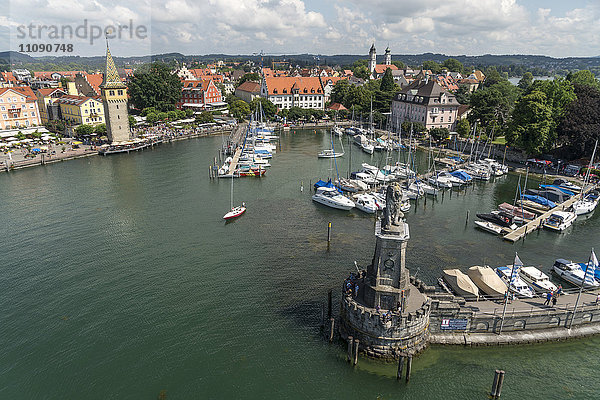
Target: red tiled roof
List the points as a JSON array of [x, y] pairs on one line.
[[48, 91], [337, 107], [249, 86], [76, 100], [381, 68], [284, 85], [23, 90]]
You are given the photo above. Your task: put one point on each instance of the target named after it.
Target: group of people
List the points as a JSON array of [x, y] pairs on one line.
[[552, 296], [351, 285], [166, 131]]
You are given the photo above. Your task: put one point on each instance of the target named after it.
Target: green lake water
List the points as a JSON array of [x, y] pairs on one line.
[[120, 279]]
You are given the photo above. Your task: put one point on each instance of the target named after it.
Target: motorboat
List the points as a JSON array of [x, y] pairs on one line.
[[539, 281], [539, 199], [322, 183], [462, 175], [428, 189], [560, 220], [515, 283], [367, 147], [486, 279], [559, 188], [499, 218], [364, 177], [337, 131], [332, 198], [366, 203], [460, 283], [516, 211], [440, 182], [456, 182], [489, 227], [573, 273], [351, 185], [566, 184], [329, 153], [380, 200]]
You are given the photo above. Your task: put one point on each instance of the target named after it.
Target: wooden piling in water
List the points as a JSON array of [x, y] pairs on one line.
[[408, 368], [350, 346], [331, 329], [329, 303], [356, 343], [495, 384], [500, 382], [400, 367]]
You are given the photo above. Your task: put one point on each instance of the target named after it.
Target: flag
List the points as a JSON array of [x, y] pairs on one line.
[[517, 264], [590, 271]]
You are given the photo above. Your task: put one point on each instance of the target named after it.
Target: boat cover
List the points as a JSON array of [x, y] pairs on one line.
[[565, 191], [487, 280], [321, 183], [540, 200], [461, 283], [461, 175]]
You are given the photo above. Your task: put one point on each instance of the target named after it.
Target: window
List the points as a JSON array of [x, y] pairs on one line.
[[3, 108], [111, 92], [33, 114], [117, 106], [4, 116], [120, 92]]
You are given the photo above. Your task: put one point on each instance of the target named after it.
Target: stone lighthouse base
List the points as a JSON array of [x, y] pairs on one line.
[[387, 333]]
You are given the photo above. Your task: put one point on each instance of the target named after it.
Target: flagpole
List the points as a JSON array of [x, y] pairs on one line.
[[512, 273], [587, 267]]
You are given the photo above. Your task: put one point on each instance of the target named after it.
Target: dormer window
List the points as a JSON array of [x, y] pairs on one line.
[[274, 91], [284, 90], [312, 90], [305, 91]]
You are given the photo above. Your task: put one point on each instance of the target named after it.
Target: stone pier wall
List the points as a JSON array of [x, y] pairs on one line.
[[384, 339]]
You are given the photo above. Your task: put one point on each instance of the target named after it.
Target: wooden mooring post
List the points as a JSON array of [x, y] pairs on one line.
[[408, 368], [356, 343], [331, 329], [497, 384], [329, 303], [350, 347], [400, 367]]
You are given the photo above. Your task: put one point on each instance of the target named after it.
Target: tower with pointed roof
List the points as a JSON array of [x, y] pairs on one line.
[[114, 99], [372, 58], [388, 56]]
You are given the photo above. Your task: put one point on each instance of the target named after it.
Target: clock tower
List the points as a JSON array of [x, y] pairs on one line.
[[114, 99]]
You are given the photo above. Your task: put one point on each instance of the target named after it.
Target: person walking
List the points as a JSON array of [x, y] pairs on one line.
[[553, 301], [548, 298]]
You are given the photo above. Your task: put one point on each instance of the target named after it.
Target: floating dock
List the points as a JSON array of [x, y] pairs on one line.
[[537, 222]]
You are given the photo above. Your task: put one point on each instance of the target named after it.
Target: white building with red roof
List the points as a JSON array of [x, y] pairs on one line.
[[287, 92]]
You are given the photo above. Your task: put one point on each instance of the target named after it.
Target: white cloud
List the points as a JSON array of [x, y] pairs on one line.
[[290, 26]]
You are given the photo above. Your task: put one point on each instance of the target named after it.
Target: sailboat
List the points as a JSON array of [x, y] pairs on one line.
[[330, 153], [235, 211], [586, 204]]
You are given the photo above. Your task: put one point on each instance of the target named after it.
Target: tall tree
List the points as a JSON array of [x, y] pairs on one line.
[[452, 64], [157, 87], [491, 106], [531, 127], [254, 77], [387, 82], [433, 66], [580, 127], [340, 91], [584, 77], [526, 81], [269, 109]]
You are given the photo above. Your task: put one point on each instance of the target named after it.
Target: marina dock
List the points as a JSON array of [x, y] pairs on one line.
[[536, 223]]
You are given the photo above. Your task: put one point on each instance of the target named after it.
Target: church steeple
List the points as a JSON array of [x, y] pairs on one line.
[[388, 56], [372, 58], [111, 75]]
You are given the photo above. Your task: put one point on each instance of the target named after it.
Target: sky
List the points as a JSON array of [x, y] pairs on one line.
[[451, 27]]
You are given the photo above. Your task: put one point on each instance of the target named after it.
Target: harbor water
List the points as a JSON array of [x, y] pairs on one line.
[[120, 280]]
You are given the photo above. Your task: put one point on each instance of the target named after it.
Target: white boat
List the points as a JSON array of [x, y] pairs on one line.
[[563, 183], [573, 273], [332, 198], [486, 279], [517, 285], [538, 280], [416, 189], [489, 227], [440, 182], [584, 206], [560, 220], [428, 189], [337, 131], [366, 203], [379, 200], [445, 175], [329, 153], [367, 147], [235, 211]]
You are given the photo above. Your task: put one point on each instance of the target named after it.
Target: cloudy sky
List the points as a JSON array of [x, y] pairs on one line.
[[453, 27]]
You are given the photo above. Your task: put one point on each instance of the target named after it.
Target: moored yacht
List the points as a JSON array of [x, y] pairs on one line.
[[538, 280], [515, 283], [573, 273], [332, 198], [366, 203], [560, 220]]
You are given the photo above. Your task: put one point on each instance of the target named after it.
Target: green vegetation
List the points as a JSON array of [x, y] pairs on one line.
[[155, 87], [84, 129]]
